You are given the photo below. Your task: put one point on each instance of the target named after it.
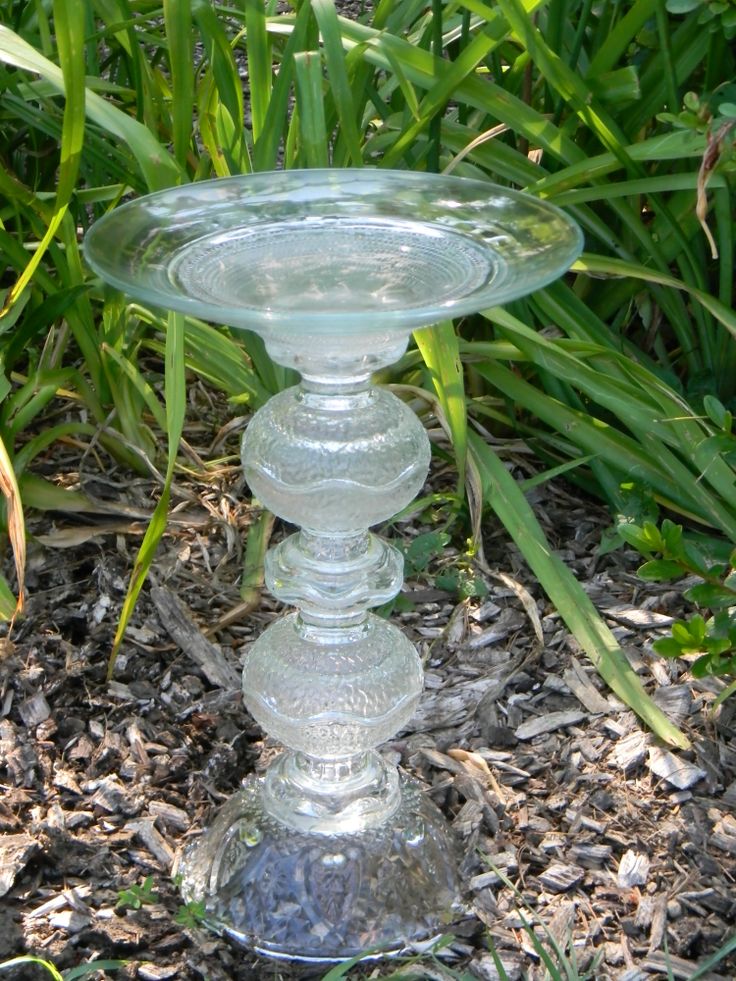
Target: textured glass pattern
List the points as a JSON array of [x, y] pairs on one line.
[[335, 464], [330, 692], [325, 896], [382, 263]]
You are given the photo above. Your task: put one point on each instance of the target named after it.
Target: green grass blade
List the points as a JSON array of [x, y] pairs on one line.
[[571, 600], [175, 395], [178, 21], [16, 529], [259, 64], [439, 347], [159, 169], [650, 465], [27, 959], [603, 266], [566, 83], [275, 127], [619, 39], [311, 108], [144, 390], [227, 84], [715, 959], [69, 23], [340, 89]]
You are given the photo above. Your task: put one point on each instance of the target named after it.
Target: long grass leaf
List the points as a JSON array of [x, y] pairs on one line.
[[311, 108], [601, 266], [28, 959], [648, 465], [69, 23], [258, 48], [16, 524], [439, 347], [159, 169], [275, 127], [340, 89], [175, 394], [571, 600], [227, 84], [178, 21]]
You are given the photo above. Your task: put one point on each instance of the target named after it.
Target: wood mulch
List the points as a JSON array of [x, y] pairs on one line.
[[573, 816]]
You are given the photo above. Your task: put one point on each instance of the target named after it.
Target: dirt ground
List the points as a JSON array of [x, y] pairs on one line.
[[620, 848]]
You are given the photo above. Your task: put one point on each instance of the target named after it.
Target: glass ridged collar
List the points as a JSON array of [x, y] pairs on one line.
[[332, 251]]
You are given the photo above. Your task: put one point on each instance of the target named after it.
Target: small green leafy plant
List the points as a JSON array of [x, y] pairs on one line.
[[670, 556], [137, 896], [191, 915]]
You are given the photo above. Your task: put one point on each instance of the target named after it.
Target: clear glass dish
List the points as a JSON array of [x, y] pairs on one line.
[[332, 251]]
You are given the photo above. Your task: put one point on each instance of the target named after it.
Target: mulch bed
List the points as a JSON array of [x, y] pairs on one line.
[[571, 813]]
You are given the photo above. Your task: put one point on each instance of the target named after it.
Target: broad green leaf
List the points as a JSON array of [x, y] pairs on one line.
[[667, 647], [711, 596], [660, 570]]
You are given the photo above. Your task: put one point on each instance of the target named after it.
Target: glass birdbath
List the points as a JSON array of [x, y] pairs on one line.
[[334, 852]]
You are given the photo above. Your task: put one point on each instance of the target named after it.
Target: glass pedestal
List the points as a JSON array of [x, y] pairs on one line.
[[333, 853]]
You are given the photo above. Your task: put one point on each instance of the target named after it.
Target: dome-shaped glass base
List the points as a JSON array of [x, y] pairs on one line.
[[317, 897]]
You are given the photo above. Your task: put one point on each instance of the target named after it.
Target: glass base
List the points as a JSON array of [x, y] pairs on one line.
[[316, 897]]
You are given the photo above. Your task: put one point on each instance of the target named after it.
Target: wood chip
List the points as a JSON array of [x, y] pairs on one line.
[[484, 967], [34, 711], [110, 796], [579, 820], [631, 750], [15, 853], [168, 814], [658, 924], [675, 701], [590, 856], [560, 878], [184, 632], [70, 921], [638, 619], [724, 834], [549, 723], [505, 862], [449, 706], [64, 779], [633, 869], [584, 690], [667, 965], [69, 897], [153, 840], [644, 913], [155, 972], [676, 771]]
